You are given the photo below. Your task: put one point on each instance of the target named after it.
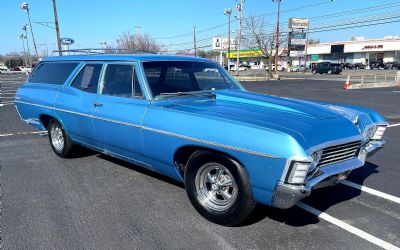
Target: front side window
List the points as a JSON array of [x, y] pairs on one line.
[[121, 80], [169, 77], [88, 78], [53, 72]]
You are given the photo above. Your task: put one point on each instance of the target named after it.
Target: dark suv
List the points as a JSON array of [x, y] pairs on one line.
[[329, 68]]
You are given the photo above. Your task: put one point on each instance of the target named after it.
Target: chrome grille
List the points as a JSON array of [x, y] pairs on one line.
[[339, 153]]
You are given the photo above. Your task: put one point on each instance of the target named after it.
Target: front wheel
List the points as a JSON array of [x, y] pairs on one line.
[[59, 139], [314, 71], [218, 188]]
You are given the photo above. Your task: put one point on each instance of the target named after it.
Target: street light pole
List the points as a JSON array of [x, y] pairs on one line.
[[228, 12], [27, 45], [25, 7], [24, 60], [239, 7], [277, 39], [57, 27]]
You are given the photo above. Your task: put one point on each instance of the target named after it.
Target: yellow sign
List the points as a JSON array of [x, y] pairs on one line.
[[246, 53]]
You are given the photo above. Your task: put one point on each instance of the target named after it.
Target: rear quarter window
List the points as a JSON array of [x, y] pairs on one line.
[[53, 72]]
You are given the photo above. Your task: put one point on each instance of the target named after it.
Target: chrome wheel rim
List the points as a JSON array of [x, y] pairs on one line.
[[215, 186], [57, 137]]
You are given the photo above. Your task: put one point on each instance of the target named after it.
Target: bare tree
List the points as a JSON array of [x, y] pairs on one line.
[[138, 41], [257, 36]]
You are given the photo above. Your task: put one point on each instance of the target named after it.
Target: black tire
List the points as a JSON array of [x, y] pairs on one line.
[[243, 203], [314, 71], [64, 149], [330, 72]]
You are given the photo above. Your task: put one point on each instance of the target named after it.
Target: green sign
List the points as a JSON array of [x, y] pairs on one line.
[[314, 57]]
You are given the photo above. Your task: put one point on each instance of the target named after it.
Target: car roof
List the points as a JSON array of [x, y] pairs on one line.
[[124, 57]]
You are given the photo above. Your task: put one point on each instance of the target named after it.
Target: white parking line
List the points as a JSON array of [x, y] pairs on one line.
[[371, 191], [394, 125], [360, 233], [24, 133]]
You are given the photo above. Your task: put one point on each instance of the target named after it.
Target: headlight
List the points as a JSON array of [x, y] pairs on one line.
[[298, 172], [380, 130]]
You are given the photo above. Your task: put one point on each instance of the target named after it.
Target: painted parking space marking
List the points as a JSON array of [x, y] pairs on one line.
[[360, 233], [371, 191], [394, 125], [24, 133]]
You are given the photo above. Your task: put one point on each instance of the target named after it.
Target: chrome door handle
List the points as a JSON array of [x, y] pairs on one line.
[[97, 104]]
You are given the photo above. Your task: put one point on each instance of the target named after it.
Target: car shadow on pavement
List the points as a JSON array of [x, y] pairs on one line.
[[321, 199]]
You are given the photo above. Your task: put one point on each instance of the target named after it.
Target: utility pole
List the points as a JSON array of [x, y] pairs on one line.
[[194, 41], [305, 53], [228, 12], [277, 39], [25, 7], [57, 27], [239, 8], [27, 45]]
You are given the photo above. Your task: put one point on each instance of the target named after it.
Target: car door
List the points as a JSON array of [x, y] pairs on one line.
[[119, 111], [74, 103]]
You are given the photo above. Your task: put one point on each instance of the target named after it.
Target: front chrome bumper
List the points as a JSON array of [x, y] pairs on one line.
[[287, 195]]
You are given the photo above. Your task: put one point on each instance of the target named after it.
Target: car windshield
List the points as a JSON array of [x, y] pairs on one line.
[[168, 79]]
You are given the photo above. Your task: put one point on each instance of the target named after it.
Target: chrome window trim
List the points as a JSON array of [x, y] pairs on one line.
[[189, 138], [79, 69], [135, 71]]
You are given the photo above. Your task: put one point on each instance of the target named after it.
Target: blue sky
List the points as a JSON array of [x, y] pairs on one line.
[[92, 22]]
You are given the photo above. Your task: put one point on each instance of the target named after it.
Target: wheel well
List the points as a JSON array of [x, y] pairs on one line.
[[183, 154], [45, 119]]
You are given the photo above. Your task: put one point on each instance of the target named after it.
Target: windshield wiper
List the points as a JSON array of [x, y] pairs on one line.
[[189, 93]]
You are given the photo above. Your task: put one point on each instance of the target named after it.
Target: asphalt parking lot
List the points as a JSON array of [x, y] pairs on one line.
[[97, 202]]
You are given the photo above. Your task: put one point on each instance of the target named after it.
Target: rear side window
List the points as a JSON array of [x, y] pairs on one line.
[[88, 78], [121, 80], [53, 72]]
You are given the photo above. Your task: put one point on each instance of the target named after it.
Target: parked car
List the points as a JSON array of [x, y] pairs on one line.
[[359, 66], [16, 69], [393, 65], [327, 67], [232, 148], [348, 66], [298, 68], [242, 67], [3, 68], [378, 65]]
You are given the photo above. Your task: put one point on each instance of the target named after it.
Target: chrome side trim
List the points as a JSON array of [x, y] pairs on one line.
[[211, 143], [189, 138]]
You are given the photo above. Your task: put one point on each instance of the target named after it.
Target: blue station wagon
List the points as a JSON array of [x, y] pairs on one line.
[[189, 119]]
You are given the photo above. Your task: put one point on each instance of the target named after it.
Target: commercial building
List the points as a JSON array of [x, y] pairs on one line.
[[357, 50]]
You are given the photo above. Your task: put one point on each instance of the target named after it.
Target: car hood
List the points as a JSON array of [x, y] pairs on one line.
[[308, 122]]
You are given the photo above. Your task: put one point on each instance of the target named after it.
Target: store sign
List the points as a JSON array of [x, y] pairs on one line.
[[298, 23], [66, 41], [314, 58], [375, 46], [246, 53], [222, 43], [296, 53], [298, 41]]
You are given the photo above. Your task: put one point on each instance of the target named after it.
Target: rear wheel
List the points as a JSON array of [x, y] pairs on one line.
[[219, 188], [329, 72], [59, 139], [314, 71]]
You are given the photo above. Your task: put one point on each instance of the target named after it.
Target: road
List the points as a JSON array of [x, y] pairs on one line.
[[97, 202]]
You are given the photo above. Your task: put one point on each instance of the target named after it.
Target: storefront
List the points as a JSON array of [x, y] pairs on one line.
[[356, 51]]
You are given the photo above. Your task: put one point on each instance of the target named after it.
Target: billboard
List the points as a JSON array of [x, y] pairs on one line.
[[222, 43], [294, 53], [298, 23]]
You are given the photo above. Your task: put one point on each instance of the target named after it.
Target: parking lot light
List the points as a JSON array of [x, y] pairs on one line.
[[25, 7]]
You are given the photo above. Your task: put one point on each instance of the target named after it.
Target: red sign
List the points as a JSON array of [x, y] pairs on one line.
[[380, 46]]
